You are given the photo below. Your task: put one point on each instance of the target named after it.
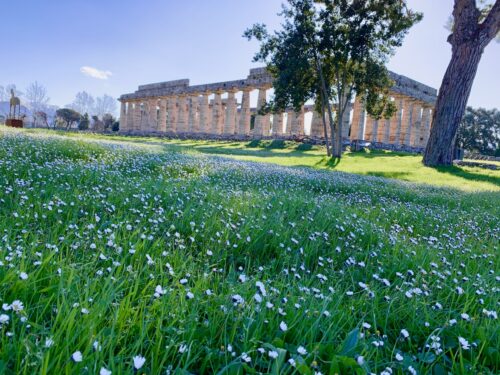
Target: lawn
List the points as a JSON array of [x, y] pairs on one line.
[[148, 256], [401, 166]]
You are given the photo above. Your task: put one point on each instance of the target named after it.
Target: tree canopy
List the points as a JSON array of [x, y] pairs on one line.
[[68, 116], [479, 131], [327, 51]]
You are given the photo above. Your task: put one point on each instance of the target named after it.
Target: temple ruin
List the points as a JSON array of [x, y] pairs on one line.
[[177, 109]]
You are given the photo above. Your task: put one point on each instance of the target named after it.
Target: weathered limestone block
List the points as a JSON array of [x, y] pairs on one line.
[[416, 124], [245, 114], [153, 115], [262, 122], [317, 129], [277, 128], [406, 124], [375, 130], [297, 123], [358, 120], [205, 118], [346, 121], [130, 117], [162, 119], [182, 115], [230, 118], [385, 131], [193, 118], [369, 129], [137, 117], [396, 120], [217, 119], [123, 116], [172, 114], [426, 125]]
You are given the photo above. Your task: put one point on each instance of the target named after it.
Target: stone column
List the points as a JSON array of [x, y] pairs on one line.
[[204, 119], [193, 118], [406, 124], [396, 121], [375, 130], [130, 117], [172, 114], [317, 129], [245, 114], [230, 120], [358, 120], [217, 124], [153, 115], [123, 116], [426, 125], [346, 121], [137, 117], [162, 121], [182, 115], [368, 128], [416, 124], [277, 124], [386, 131], [297, 123], [262, 122]]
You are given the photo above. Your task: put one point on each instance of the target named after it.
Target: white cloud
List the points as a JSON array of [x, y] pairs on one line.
[[95, 73]]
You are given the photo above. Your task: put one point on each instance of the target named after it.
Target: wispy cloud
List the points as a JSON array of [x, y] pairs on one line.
[[95, 73]]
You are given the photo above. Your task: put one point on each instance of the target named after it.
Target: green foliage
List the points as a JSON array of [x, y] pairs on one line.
[[108, 121], [84, 122], [68, 116], [331, 50], [479, 131]]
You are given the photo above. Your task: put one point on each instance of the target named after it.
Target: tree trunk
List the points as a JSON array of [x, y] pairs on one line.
[[324, 103], [451, 103], [337, 148]]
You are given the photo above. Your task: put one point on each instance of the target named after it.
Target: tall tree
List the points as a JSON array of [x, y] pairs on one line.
[[330, 50], [479, 131], [36, 96], [68, 116], [105, 104], [83, 103], [472, 30]]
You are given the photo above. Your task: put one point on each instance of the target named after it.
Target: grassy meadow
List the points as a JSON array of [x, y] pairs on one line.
[[401, 166], [135, 255]]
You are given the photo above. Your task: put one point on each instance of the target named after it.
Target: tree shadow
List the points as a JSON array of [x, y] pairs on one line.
[[394, 175], [467, 175], [328, 162], [378, 154]]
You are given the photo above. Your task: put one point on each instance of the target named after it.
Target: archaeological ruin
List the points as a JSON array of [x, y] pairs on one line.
[[223, 110]]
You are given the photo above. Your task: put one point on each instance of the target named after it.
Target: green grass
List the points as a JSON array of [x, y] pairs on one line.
[[121, 240], [401, 166]]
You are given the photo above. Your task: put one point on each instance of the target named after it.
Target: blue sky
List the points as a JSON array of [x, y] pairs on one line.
[[134, 42]]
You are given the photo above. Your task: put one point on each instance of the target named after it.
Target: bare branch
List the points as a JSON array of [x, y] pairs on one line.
[[491, 25]]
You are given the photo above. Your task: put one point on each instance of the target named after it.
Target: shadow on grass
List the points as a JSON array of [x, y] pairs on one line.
[[328, 162], [467, 175], [378, 153], [395, 175]]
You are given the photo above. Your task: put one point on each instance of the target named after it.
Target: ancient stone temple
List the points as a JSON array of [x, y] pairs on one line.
[[213, 110]]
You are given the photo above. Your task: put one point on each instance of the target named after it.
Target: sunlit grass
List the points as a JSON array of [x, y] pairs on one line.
[[119, 248]]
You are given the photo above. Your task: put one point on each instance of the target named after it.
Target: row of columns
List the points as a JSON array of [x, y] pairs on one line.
[[193, 113], [409, 126]]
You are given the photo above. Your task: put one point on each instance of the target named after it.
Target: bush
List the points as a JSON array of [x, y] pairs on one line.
[[84, 122]]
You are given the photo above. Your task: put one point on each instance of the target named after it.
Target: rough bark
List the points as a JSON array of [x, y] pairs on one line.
[[451, 104], [468, 40]]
